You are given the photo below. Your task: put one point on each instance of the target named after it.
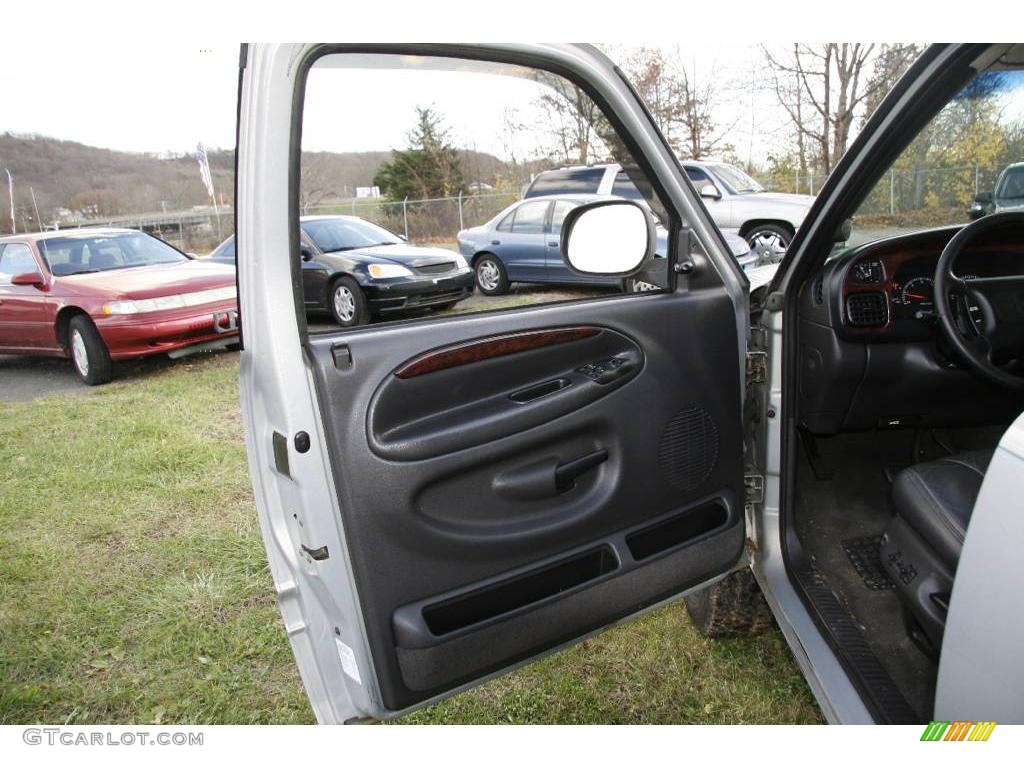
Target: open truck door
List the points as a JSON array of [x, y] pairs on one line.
[[445, 498]]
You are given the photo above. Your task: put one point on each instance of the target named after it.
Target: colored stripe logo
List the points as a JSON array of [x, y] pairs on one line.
[[959, 730]]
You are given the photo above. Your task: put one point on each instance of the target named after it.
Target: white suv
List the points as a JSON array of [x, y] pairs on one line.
[[736, 202]]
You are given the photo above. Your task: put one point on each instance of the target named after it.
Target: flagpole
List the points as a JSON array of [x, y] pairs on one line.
[[10, 189]]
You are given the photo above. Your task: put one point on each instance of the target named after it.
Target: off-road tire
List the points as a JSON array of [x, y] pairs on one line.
[[97, 366], [732, 607]]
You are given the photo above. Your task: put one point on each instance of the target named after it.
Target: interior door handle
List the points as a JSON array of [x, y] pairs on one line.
[[566, 474], [545, 478]]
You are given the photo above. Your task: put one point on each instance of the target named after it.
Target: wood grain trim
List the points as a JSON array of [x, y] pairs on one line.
[[495, 346]]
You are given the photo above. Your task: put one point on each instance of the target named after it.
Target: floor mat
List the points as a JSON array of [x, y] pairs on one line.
[[863, 555]]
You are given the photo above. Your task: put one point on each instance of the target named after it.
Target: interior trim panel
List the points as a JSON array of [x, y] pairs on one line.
[[536, 495]]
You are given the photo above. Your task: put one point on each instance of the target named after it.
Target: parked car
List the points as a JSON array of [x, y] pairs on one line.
[[100, 295], [842, 451], [1008, 194], [737, 203], [521, 244], [355, 269]]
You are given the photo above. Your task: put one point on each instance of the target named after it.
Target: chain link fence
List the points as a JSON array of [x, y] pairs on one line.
[[914, 196], [432, 220]]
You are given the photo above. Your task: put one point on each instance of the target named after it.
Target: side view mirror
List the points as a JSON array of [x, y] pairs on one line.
[[980, 206], [711, 191], [305, 251], [34, 279], [608, 237]]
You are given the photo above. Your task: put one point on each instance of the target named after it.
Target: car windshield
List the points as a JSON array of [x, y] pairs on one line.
[[958, 155], [1011, 185], [344, 234], [737, 181], [100, 253]]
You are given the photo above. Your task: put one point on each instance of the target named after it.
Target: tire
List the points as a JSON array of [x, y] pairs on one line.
[[491, 277], [445, 307], [347, 303], [89, 354], [769, 242], [636, 285], [732, 607]]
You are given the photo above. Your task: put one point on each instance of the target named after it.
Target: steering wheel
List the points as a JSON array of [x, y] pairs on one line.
[[997, 336]]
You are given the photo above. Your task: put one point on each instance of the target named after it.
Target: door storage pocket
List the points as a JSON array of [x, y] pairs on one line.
[[518, 592]]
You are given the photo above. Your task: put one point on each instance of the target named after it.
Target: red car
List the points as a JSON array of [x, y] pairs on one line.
[[98, 295]]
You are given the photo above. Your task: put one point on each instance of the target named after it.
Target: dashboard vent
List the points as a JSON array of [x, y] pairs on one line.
[[819, 291], [867, 309]]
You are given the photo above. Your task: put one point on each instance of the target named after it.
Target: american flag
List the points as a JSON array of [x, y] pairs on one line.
[[204, 169]]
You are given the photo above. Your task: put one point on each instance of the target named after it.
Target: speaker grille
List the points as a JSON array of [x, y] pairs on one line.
[[688, 450]]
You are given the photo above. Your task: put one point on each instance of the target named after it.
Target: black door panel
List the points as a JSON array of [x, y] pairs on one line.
[[486, 389], [480, 538]]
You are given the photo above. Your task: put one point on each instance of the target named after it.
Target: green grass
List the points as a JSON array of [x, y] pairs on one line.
[[134, 587]]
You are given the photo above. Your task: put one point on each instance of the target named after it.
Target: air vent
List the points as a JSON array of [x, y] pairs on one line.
[[867, 310], [819, 291]]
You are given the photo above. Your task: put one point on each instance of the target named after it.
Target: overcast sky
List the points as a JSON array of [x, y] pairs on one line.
[[146, 96]]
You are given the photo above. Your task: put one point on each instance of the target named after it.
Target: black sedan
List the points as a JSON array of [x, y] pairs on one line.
[[355, 269]]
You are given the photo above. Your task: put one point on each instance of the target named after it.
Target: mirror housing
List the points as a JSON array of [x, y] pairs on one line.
[[305, 252], [35, 279], [709, 190], [612, 238], [984, 198]]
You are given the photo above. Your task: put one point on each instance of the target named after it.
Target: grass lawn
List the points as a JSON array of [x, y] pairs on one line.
[[134, 587]]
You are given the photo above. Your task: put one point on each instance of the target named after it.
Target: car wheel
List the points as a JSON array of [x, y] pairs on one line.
[[445, 307], [491, 277], [769, 242], [347, 303], [732, 607], [89, 354]]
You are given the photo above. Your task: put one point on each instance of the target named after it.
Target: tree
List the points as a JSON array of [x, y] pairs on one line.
[[570, 116], [823, 87], [429, 167], [681, 104], [316, 183]]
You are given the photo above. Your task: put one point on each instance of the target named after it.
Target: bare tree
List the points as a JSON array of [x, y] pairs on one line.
[[681, 103], [570, 118], [316, 183], [823, 87]]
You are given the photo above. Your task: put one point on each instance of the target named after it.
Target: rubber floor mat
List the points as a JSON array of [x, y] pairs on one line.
[[863, 555]]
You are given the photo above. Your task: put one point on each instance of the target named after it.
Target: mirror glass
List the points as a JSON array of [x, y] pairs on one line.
[[609, 239]]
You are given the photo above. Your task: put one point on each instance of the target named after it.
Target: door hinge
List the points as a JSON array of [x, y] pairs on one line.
[[753, 489], [757, 367]]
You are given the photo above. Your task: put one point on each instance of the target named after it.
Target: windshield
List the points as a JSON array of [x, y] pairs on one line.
[[958, 155], [737, 181], [343, 234], [1011, 185], [100, 253]]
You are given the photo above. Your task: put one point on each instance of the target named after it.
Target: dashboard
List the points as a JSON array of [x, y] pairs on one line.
[[872, 354], [886, 289]]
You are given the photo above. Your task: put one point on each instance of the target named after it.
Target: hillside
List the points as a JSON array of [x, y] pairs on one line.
[[103, 182]]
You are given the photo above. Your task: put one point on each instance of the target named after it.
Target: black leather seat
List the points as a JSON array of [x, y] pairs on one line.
[[921, 547]]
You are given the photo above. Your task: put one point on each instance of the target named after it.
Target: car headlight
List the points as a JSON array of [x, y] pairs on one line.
[[378, 271], [177, 301]]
